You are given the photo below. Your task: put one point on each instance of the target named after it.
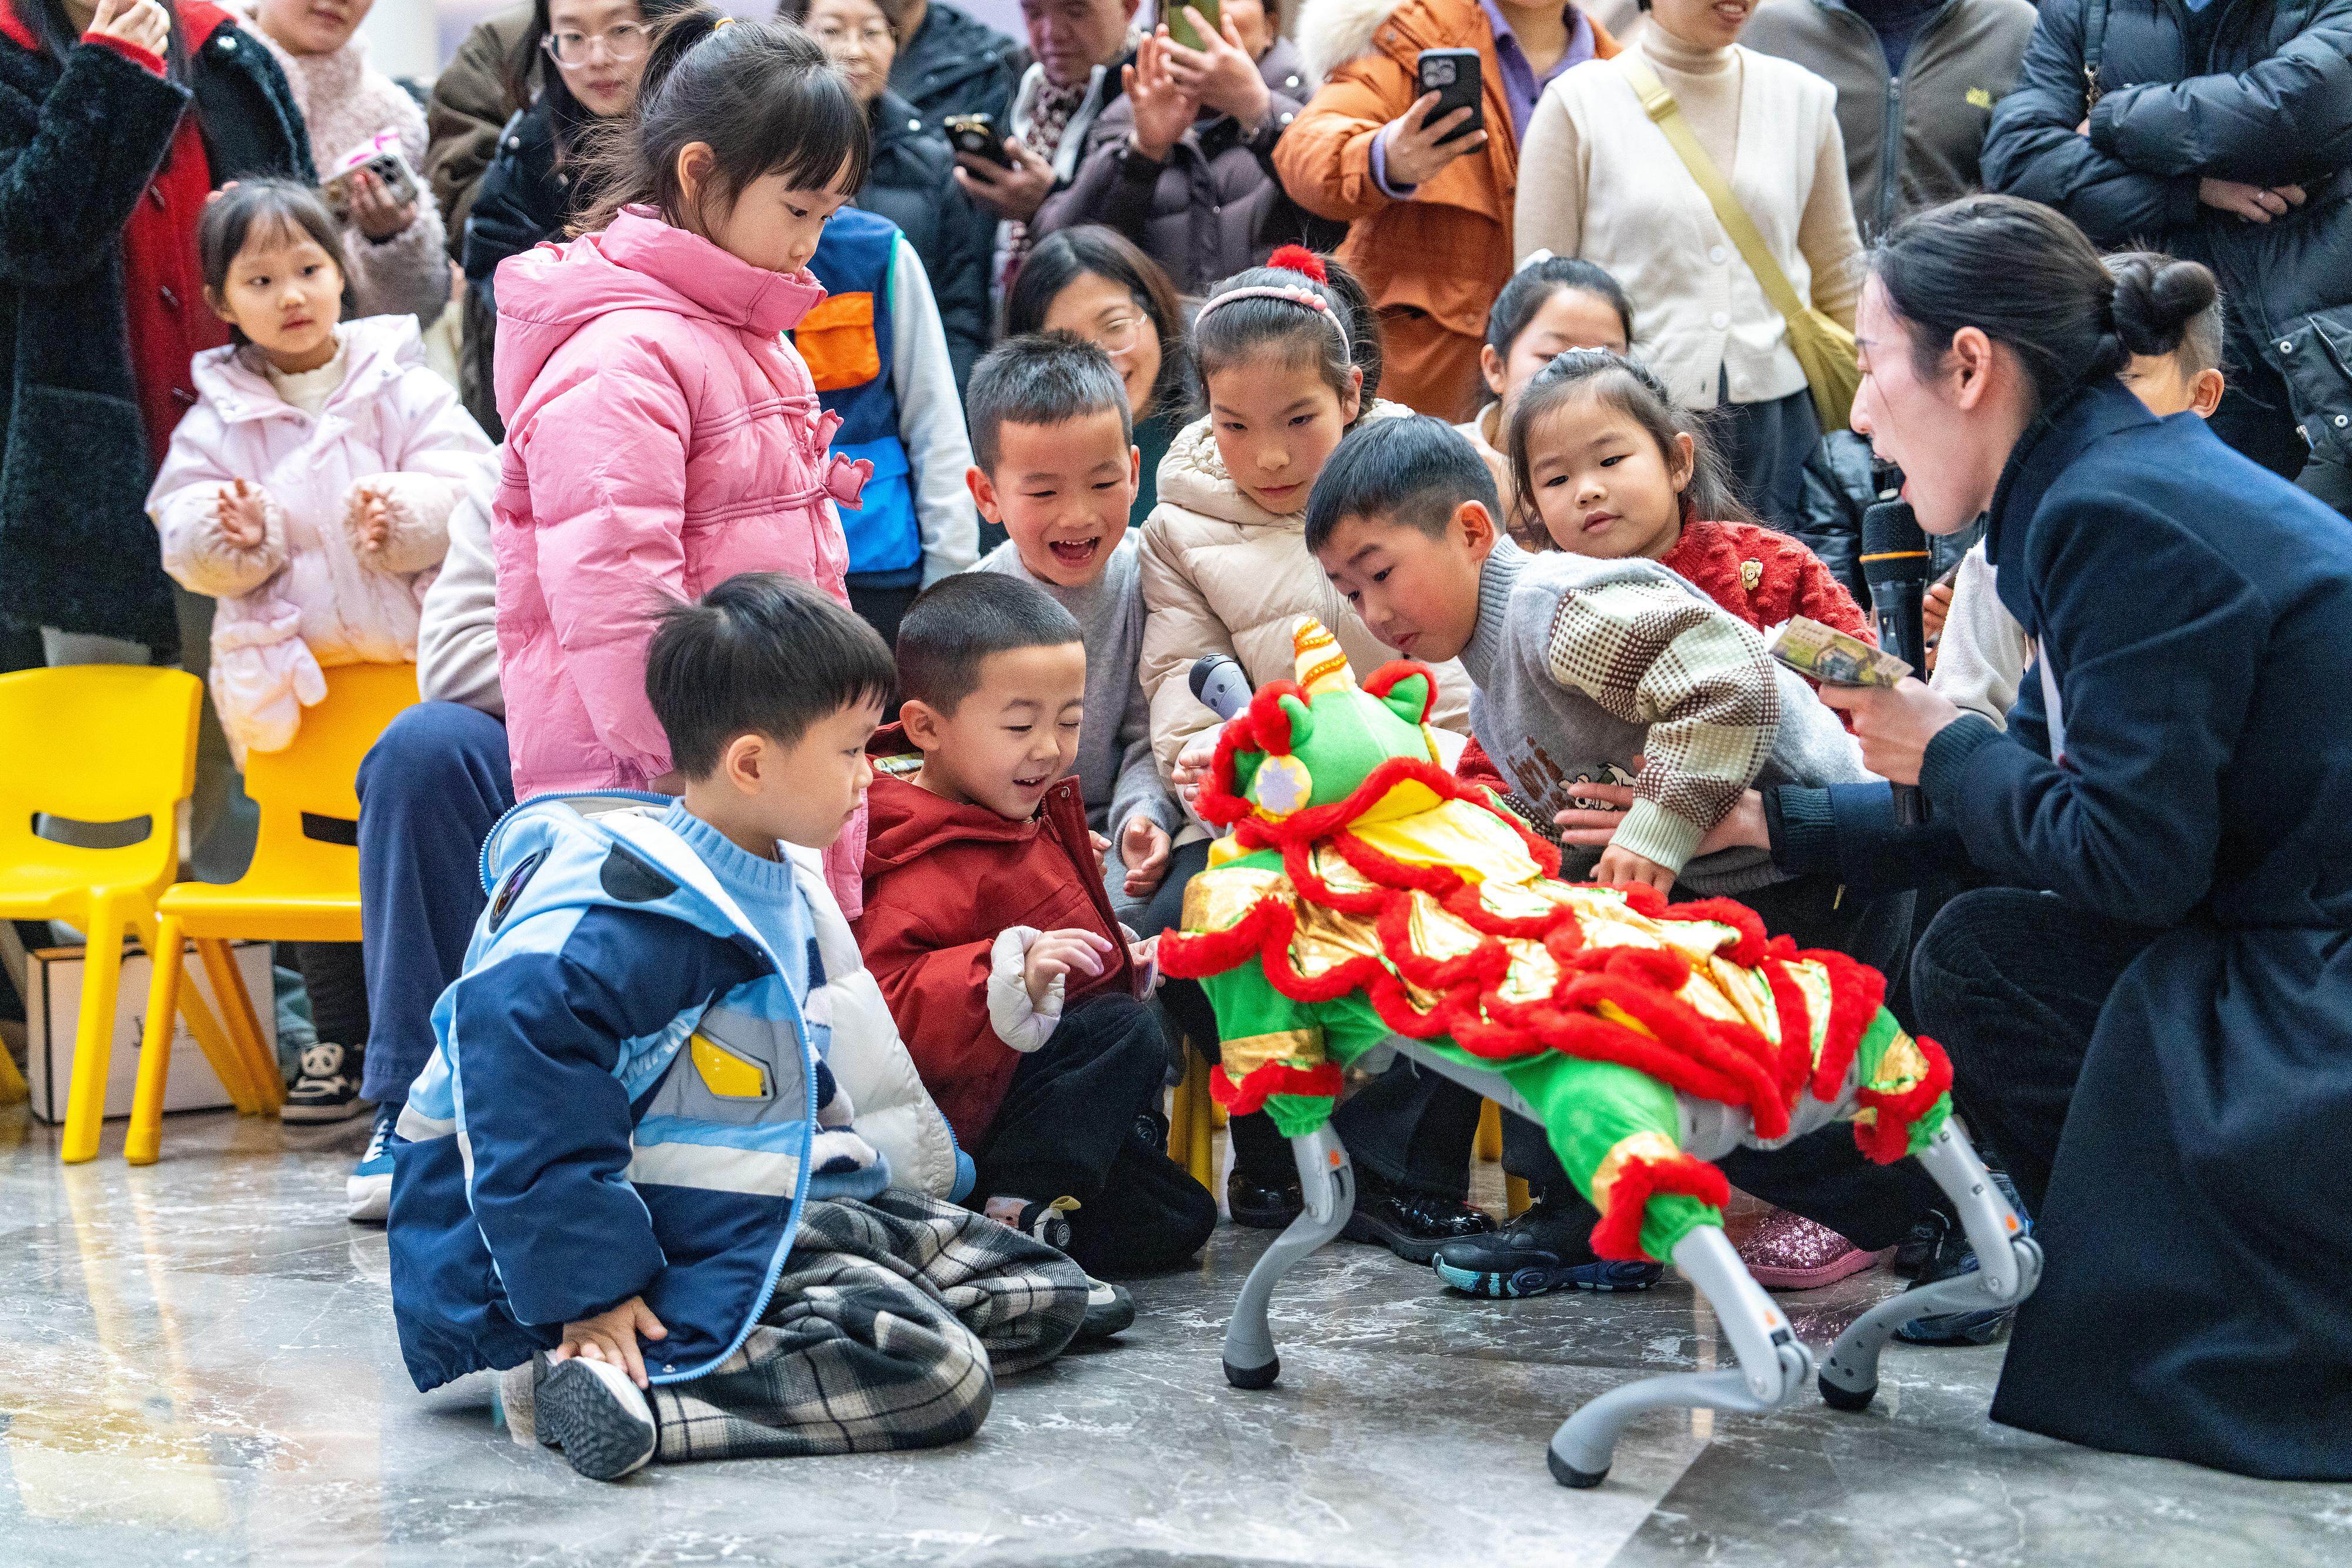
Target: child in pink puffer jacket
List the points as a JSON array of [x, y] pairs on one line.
[[310, 488], [662, 435]]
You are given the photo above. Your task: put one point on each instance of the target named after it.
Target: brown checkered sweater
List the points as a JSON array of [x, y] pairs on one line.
[[1583, 664]]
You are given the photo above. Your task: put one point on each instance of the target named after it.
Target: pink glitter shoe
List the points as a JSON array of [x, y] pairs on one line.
[[1789, 1252]]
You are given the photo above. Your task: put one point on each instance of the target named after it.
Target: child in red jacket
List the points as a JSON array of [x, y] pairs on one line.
[[1019, 995]]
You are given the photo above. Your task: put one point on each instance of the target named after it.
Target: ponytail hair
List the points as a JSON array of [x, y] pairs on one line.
[[1634, 391], [2024, 276], [762, 95], [1272, 308]]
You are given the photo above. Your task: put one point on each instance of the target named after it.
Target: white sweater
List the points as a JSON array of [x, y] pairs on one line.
[[1599, 180]]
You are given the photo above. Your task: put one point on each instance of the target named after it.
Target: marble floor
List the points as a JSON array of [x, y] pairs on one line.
[[201, 1369]]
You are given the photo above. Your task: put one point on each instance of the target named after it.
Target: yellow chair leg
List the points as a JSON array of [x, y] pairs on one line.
[[145, 1139], [1201, 1158], [1490, 1132], [227, 1061], [1179, 1115], [243, 1027], [1515, 1196], [94, 1032]]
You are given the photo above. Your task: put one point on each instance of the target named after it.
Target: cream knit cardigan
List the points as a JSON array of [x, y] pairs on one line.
[[1599, 180], [345, 102]]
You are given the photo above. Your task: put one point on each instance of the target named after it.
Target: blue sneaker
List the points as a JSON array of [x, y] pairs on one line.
[[1544, 1249], [1953, 1258], [368, 1192]]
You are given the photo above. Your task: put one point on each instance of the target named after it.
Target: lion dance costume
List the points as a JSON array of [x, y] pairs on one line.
[[1364, 893]]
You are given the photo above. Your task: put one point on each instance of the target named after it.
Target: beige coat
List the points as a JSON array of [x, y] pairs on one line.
[[1224, 575]]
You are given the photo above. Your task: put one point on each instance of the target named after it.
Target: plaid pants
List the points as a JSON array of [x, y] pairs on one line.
[[887, 1327]]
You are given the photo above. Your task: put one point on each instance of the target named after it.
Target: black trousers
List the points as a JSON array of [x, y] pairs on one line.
[[1823, 1176], [1410, 1128], [1765, 446], [336, 979], [1081, 1120], [2010, 984]]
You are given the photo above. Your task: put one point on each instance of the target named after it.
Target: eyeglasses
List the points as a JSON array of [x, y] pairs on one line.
[[622, 43], [873, 39], [1119, 334]]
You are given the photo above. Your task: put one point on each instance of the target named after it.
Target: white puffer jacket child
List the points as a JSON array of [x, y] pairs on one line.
[[312, 595]]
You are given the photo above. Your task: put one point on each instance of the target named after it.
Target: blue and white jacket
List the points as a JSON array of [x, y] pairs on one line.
[[628, 1098]]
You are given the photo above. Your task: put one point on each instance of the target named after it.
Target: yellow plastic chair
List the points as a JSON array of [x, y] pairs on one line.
[[304, 884], [102, 743], [1193, 1122], [1515, 1197]]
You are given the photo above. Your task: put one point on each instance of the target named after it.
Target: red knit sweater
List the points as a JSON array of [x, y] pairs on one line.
[[1761, 575]]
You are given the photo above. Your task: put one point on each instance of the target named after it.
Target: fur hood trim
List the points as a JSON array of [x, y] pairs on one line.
[[1333, 31]]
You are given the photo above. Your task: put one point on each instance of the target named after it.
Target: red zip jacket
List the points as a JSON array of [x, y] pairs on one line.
[[942, 880], [1759, 574]]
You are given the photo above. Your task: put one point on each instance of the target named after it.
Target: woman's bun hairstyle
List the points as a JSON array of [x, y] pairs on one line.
[[2157, 299]]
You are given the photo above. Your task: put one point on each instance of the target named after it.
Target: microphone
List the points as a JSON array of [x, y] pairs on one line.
[[1221, 684], [1894, 564]]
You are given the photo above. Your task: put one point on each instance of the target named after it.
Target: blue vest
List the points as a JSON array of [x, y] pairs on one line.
[[847, 342]]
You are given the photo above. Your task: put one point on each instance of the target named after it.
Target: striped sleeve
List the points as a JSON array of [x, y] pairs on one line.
[[1653, 654]]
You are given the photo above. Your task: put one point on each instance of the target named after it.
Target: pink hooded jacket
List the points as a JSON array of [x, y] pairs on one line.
[[661, 437], [310, 595]]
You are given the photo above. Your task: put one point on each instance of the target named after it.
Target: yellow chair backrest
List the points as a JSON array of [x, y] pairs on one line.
[[97, 742], [318, 775]]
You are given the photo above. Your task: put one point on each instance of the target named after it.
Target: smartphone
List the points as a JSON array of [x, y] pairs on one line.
[[1454, 76], [1180, 27], [380, 156], [976, 134]]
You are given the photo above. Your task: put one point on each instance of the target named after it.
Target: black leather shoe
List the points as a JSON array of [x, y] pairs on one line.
[[1263, 1206], [1412, 1225]]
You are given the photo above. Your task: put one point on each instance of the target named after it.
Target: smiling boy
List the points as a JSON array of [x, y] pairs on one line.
[[1020, 995], [1056, 467]]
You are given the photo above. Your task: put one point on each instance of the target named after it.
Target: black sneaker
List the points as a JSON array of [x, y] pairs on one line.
[[1264, 1205], [593, 1412], [1109, 1308], [1412, 1225], [1931, 1238], [328, 1087], [1950, 1258], [1546, 1249]]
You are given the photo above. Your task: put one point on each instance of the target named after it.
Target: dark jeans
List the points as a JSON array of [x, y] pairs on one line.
[[430, 789], [2010, 984], [1823, 1176], [1765, 446], [1411, 1128], [1067, 1128], [335, 976]]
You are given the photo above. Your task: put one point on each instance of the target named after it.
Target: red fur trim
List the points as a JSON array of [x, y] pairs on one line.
[[1269, 720], [1384, 681], [1855, 992], [1643, 899], [1749, 949], [1299, 259], [1618, 1236], [1886, 1137], [1795, 1024], [1274, 1078]]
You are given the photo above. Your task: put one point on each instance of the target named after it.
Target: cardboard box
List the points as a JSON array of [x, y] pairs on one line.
[[53, 1012]]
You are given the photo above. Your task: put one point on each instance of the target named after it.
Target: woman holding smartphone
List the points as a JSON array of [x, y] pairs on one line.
[[1600, 182]]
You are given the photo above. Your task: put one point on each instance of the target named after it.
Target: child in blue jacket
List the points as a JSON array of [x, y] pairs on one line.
[[668, 1102]]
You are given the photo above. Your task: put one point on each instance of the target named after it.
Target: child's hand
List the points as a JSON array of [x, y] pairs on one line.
[[611, 1337], [370, 518], [1192, 770], [1146, 957], [1055, 952], [238, 511], [1143, 848], [1591, 827], [1619, 864]]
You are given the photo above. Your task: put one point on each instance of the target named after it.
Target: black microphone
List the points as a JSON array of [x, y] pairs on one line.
[[1221, 684], [1894, 564]]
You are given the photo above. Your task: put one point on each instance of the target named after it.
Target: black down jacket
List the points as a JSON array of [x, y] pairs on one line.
[[2267, 102], [911, 181]]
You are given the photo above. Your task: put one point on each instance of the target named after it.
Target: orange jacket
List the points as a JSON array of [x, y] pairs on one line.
[[1433, 263]]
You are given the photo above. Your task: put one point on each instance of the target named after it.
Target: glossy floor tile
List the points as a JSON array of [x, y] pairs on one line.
[[200, 1368]]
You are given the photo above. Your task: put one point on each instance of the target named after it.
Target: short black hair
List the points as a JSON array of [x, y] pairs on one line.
[[1413, 471], [280, 209], [1532, 287], [1040, 378], [960, 621], [761, 653]]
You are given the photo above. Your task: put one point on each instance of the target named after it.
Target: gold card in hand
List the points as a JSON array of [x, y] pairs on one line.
[[1828, 655]]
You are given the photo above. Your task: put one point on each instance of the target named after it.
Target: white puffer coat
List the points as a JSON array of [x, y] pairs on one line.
[[1224, 575]]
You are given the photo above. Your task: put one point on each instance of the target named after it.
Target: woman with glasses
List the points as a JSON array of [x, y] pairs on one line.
[[1093, 282], [577, 64], [910, 180]]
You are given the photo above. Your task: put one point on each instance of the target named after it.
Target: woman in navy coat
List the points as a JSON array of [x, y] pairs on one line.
[[2148, 999]]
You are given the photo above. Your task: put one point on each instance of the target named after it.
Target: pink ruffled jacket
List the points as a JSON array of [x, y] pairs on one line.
[[310, 596], [661, 437]]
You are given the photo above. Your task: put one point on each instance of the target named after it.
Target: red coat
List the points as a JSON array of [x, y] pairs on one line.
[[1719, 558], [942, 880]]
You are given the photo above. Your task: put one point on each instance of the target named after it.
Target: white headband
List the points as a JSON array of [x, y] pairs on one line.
[[1306, 297]]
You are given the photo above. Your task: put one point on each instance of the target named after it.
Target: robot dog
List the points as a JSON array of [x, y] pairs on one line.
[[1367, 900]]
